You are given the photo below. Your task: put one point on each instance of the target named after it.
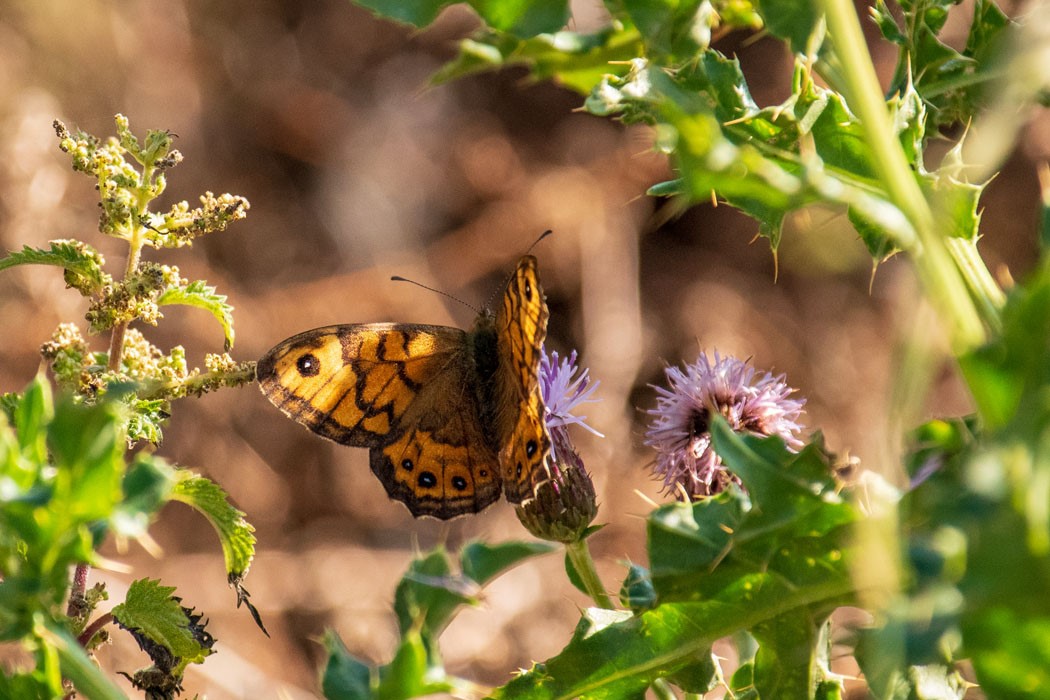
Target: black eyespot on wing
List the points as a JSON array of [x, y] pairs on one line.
[[407, 465], [518, 471], [528, 290], [530, 448], [308, 365], [427, 480], [459, 483]]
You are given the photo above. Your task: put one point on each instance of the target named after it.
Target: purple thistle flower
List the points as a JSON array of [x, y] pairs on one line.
[[679, 431], [562, 393]]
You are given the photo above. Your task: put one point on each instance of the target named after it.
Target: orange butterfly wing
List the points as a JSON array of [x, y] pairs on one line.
[[521, 327], [406, 392]]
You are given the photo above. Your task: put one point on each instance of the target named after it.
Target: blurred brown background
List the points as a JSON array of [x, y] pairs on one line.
[[319, 114]]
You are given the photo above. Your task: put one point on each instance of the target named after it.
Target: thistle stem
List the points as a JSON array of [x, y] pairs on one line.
[[580, 556]]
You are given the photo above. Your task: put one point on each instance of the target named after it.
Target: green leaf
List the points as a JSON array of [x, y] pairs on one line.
[[949, 81], [482, 562], [152, 610], [676, 29], [199, 294], [35, 410], [615, 654], [235, 533], [82, 263], [409, 675], [637, 591], [700, 677], [523, 18], [147, 486], [1007, 377], [792, 20], [344, 676], [87, 447], [1011, 652], [577, 61], [429, 594], [25, 686], [418, 13]]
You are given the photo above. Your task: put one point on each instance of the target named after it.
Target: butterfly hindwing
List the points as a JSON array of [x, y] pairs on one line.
[[402, 390]]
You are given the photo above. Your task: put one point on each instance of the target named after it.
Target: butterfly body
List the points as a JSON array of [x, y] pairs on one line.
[[451, 417]]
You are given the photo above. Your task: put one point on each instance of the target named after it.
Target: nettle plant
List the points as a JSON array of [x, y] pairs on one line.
[[77, 469], [765, 542]]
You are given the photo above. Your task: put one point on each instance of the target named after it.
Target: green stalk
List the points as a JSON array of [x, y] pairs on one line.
[[986, 292], [941, 268], [135, 243], [580, 556]]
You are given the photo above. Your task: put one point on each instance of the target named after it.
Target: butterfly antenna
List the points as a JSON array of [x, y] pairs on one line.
[[542, 236], [397, 278], [496, 292]]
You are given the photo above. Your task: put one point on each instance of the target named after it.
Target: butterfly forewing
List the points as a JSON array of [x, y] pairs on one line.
[[402, 390], [521, 323]]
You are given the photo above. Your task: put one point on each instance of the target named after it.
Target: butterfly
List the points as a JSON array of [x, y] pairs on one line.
[[450, 417]]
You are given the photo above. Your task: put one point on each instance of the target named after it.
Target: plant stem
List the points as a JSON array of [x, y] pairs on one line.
[[116, 338], [940, 274], [75, 606], [93, 629], [580, 556]]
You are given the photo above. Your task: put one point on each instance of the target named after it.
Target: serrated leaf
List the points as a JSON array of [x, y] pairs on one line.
[[235, 533], [82, 263], [623, 657], [482, 562], [344, 676], [151, 609], [199, 294]]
